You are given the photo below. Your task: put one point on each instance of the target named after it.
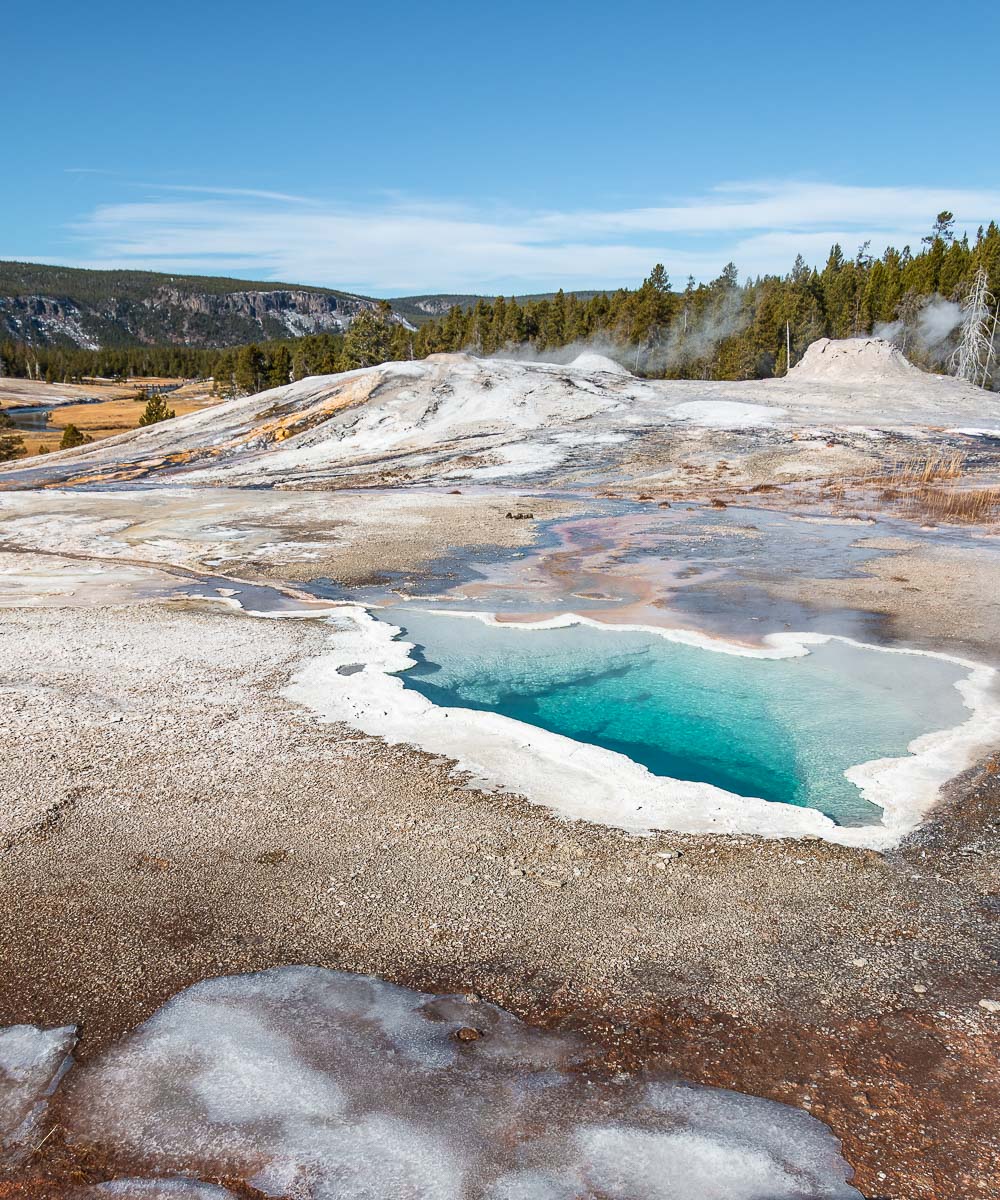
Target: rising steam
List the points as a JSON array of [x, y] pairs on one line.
[[926, 334]]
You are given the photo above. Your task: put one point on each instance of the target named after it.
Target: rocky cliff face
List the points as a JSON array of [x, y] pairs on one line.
[[174, 315], [435, 306], [281, 313], [44, 319]]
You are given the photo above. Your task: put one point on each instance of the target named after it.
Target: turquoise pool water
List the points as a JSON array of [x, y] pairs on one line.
[[781, 729]]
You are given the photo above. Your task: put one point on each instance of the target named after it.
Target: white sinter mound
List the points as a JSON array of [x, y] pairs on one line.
[[455, 417], [854, 360], [590, 362], [327, 1086]]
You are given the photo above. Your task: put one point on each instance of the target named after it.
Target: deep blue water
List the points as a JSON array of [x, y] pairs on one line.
[[783, 730]]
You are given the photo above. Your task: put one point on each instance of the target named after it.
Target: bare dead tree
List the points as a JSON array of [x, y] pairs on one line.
[[972, 356]]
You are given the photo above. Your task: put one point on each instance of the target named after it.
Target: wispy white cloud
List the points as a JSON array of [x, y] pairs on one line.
[[246, 193], [398, 244]]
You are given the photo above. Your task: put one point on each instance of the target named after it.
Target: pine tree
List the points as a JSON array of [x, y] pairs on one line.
[[944, 229], [280, 368], [498, 323], [11, 447], [653, 308], [73, 437], [480, 340], [553, 327], [248, 373], [11, 444], [155, 411], [367, 340], [400, 343]]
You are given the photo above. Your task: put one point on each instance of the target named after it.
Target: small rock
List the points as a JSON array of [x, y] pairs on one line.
[[468, 1034], [919, 989], [859, 962], [991, 1006]]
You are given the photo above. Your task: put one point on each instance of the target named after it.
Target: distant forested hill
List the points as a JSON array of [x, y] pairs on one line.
[[418, 310], [73, 307], [68, 307]]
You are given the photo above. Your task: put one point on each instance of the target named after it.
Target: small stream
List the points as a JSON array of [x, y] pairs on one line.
[[31, 419]]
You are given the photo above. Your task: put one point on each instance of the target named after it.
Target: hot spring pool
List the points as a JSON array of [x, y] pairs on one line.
[[780, 729]]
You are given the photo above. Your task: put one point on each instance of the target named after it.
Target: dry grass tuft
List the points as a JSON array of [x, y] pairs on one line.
[[978, 506], [918, 472], [922, 489]]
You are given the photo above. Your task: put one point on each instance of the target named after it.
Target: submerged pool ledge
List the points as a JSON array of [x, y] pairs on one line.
[[358, 681]]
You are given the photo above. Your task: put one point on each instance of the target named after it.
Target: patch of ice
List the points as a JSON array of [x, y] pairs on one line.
[[327, 1086], [32, 1062], [975, 431], [156, 1189]]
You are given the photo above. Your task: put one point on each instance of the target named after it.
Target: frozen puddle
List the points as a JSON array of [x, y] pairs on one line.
[[320, 1085], [154, 1189], [32, 1061], [650, 729]]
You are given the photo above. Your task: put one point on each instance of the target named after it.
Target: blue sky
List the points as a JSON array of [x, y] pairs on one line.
[[390, 148]]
